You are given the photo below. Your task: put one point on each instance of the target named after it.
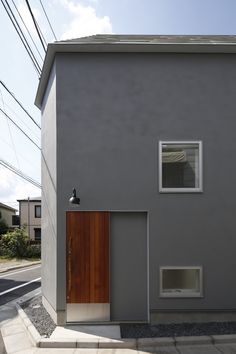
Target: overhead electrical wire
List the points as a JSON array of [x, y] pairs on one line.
[[30, 163], [21, 36], [10, 133], [19, 103], [38, 69], [6, 115], [19, 173], [22, 121], [41, 34], [27, 30], [36, 26], [45, 13]]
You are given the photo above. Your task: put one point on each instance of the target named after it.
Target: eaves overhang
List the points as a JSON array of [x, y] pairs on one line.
[[125, 47]]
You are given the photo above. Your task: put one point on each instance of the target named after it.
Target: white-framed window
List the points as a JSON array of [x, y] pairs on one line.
[[181, 281], [180, 166]]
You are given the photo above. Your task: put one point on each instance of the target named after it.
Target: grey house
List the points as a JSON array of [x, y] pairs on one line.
[[144, 127]]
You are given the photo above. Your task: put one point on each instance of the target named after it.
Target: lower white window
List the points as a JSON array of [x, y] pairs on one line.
[[181, 281]]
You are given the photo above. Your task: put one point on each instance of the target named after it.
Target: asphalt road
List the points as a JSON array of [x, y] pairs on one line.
[[16, 283]]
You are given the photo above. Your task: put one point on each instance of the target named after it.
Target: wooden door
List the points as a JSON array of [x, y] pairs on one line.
[[87, 257]]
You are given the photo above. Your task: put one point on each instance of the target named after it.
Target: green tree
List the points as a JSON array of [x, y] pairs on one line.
[[3, 227]]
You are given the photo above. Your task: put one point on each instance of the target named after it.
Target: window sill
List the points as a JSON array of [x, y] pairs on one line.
[[181, 295], [181, 190]]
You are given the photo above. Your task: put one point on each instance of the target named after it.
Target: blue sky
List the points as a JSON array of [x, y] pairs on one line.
[[71, 19]]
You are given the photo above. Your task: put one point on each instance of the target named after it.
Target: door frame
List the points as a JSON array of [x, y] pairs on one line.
[[148, 264]]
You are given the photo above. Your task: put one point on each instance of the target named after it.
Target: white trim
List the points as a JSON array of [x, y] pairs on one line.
[[200, 154], [184, 293]]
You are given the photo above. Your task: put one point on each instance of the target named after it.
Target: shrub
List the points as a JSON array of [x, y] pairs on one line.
[[14, 244], [3, 227], [33, 251]]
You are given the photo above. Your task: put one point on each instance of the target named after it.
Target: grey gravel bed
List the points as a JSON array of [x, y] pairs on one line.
[[39, 316], [45, 325], [177, 329]]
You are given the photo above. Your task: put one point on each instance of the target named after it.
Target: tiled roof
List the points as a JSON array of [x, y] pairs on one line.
[[152, 39]]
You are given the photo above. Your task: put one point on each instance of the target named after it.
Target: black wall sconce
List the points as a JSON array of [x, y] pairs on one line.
[[74, 199]]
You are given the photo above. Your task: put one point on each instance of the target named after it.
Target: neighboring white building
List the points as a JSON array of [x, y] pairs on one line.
[[30, 216], [7, 213]]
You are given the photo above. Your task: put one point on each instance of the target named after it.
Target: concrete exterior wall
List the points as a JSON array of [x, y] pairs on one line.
[[49, 199], [27, 217], [7, 216], [112, 109]]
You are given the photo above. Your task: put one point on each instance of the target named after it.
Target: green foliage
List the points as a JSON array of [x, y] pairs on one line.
[[3, 227], [14, 244], [33, 251]]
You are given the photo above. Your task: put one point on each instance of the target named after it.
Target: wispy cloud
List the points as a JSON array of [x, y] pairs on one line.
[[85, 21]]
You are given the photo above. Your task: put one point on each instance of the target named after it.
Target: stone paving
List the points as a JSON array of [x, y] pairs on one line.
[[17, 341]]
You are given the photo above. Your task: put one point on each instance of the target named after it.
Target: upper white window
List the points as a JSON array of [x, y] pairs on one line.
[[180, 166]]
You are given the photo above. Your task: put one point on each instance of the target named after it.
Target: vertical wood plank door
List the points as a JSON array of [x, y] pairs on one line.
[[87, 250]]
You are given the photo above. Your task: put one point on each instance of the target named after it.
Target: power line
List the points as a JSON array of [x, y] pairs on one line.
[[30, 163], [6, 115], [41, 33], [20, 104], [35, 24], [22, 121], [21, 36], [19, 173], [9, 130], [48, 19], [27, 29]]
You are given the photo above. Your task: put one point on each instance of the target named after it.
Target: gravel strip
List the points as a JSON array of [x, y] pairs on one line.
[[45, 325], [39, 316], [177, 329]]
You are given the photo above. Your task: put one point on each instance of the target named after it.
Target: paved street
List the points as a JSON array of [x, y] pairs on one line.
[[16, 283]]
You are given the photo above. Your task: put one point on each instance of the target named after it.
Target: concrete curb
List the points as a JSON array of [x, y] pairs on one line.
[[124, 343], [28, 325], [20, 266]]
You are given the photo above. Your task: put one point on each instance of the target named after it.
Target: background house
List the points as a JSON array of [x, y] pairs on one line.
[[30, 216], [144, 128], [8, 214]]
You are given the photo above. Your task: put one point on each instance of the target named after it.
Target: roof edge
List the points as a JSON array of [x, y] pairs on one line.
[[124, 47]]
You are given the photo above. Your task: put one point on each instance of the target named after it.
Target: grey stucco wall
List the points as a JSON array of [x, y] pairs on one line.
[[49, 199], [128, 265], [112, 109]]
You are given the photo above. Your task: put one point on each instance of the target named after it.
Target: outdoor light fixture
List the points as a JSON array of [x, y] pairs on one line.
[[74, 199]]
